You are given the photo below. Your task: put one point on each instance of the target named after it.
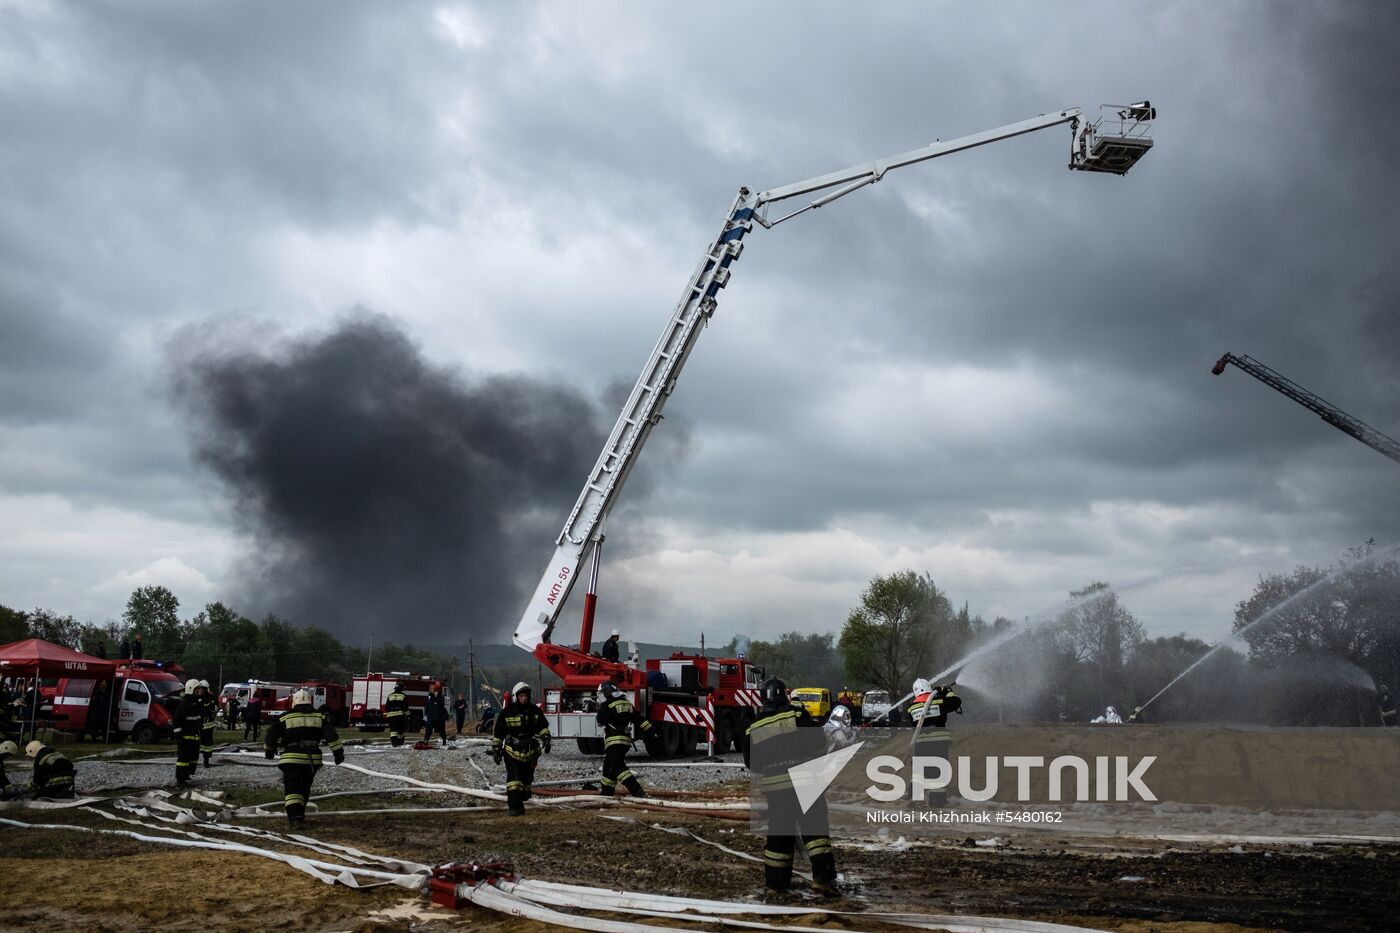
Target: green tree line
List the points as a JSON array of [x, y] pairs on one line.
[[1315, 644], [218, 642]]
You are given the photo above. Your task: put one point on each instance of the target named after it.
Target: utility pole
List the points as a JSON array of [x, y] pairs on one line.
[[471, 677], [369, 658]]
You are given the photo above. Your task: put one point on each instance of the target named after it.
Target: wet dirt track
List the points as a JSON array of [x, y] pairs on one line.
[[116, 884]]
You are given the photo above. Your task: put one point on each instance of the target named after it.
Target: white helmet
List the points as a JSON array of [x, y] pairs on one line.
[[841, 714], [616, 633], [520, 688], [8, 748], [204, 684], [922, 686], [32, 749], [190, 685], [301, 698]]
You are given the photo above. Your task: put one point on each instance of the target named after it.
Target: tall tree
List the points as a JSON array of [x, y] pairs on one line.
[[800, 659], [52, 627], [1098, 632], [153, 612], [1351, 611], [14, 625], [893, 636]]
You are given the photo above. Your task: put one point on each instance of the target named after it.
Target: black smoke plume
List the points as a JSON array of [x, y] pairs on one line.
[[379, 492]]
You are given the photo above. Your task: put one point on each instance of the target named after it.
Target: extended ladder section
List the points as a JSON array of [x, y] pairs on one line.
[[642, 412], [1315, 403], [582, 532]]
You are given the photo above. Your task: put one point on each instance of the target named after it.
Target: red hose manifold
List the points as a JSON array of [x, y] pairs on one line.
[[445, 879]]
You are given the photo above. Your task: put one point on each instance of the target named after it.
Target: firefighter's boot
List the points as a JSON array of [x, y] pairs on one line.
[[634, 786], [777, 869], [824, 875]]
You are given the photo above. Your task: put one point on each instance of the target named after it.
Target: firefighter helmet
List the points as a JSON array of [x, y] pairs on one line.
[[922, 686], [610, 690], [204, 684], [773, 692], [842, 715], [32, 749], [8, 748], [616, 633], [190, 685], [301, 698], [520, 688]]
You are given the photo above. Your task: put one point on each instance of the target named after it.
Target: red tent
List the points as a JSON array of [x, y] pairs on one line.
[[38, 658]]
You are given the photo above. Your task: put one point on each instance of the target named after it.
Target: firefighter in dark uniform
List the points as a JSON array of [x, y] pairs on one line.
[[780, 737], [300, 732], [53, 774], [211, 715], [187, 726], [521, 733], [396, 712], [929, 711], [8, 791], [616, 717], [1387, 705]]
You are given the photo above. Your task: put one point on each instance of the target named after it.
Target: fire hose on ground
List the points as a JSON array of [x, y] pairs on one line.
[[495, 887]]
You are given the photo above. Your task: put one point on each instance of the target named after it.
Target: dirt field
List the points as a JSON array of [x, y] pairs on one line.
[[82, 881], [1096, 874]]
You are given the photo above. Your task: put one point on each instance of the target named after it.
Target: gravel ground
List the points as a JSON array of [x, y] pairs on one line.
[[451, 765]]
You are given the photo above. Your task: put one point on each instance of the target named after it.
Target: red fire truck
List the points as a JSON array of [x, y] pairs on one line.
[[690, 699], [270, 694], [331, 699], [143, 702], [369, 691]]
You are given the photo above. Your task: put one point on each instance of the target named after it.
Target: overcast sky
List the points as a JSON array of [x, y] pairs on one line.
[[324, 308]]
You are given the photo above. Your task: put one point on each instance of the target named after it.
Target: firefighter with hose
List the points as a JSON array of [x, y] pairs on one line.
[[929, 711], [396, 711], [300, 732], [617, 716], [188, 726], [53, 774], [781, 737], [520, 734], [206, 728]]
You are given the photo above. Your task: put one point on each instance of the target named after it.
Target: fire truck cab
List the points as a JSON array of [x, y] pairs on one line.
[[144, 700]]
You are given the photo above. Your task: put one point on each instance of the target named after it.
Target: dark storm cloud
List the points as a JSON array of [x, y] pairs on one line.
[[381, 493], [167, 164]]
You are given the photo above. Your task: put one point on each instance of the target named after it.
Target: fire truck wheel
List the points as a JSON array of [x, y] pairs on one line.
[[670, 740], [724, 735], [144, 734]]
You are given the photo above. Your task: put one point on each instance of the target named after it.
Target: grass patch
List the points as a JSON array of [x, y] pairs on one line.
[[243, 796]]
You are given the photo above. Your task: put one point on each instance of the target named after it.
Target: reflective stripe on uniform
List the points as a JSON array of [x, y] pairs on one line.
[[777, 859]]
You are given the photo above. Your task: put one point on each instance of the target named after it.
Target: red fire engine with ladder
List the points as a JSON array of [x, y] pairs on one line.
[[693, 698]]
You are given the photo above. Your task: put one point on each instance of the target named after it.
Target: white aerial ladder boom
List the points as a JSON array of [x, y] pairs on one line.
[[1105, 145]]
